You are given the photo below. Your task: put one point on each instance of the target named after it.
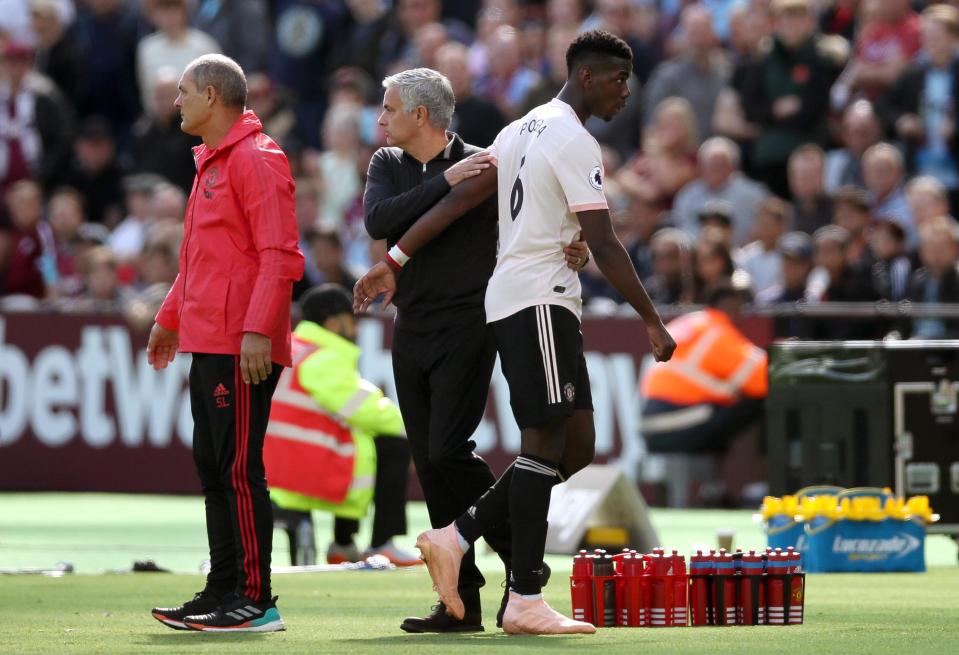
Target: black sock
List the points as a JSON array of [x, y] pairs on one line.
[[533, 480], [492, 509], [343, 531]]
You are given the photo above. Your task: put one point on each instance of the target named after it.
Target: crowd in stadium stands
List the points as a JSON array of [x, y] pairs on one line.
[[807, 148]]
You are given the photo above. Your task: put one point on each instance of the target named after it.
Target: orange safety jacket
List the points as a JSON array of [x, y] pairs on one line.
[[306, 450], [713, 363]]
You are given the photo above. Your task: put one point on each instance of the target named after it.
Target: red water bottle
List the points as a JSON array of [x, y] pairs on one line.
[[680, 590], [752, 591], [777, 566], [620, 584], [633, 611], [604, 592], [796, 588], [656, 587], [581, 587], [700, 576], [724, 589]]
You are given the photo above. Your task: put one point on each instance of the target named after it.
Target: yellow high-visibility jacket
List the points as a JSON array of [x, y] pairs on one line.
[[319, 451]]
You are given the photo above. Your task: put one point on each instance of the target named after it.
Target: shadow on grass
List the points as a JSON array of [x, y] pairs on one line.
[[183, 637], [465, 641]]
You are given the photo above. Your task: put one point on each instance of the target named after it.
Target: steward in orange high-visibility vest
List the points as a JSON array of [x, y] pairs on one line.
[[713, 386]]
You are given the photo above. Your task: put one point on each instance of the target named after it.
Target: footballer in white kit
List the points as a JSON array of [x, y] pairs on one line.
[[549, 168], [549, 177]]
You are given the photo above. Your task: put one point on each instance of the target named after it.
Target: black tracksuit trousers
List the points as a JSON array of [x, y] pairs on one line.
[[442, 381], [229, 424]]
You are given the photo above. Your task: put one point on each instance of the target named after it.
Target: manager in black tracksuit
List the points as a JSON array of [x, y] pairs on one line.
[[443, 355]]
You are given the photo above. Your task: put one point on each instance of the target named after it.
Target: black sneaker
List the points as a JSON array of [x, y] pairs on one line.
[[239, 615], [202, 603], [440, 621], [543, 580]]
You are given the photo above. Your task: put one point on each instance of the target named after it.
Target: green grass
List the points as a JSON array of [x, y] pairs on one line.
[[359, 612]]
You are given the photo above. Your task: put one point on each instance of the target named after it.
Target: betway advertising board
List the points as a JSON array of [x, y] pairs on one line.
[[81, 410]]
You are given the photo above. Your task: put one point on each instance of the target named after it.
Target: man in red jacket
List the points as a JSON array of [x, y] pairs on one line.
[[230, 308]]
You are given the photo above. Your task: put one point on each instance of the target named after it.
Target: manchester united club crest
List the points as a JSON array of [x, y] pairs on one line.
[[569, 391], [209, 181]]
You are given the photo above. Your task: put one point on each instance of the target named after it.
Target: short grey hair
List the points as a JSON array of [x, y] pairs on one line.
[[427, 88], [721, 145], [224, 75]]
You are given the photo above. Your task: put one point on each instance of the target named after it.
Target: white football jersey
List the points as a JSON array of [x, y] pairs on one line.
[[548, 168]]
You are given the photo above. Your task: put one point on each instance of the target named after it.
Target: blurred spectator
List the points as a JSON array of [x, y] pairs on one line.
[[175, 44], [336, 165], [65, 215], [371, 19], [15, 20], [720, 178], [554, 75], [668, 158], [892, 269], [96, 172], [508, 80], [107, 35], [788, 91], [835, 280], [102, 291], [812, 208], [883, 172], [634, 226], [325, 252], [621, 17], [308, 198], [476, 119], [308, 43], [564, 13], [31, 266], [711, 393], [240, 27], [713, 267], [352, 85], [533, 39], [157, 143], [796, 251], [851, 213], [839, 17], [882, 52], [398, 42], [860, 129], [761, 258], [157, 269], [278, 121], [128, 236], [750, 26], [921, 106], [58, 56], [639, 224], [672, 279], [428, 40], [168, 204], [698, 74], [927, 198], [35, 122], [937, 280], [716, 223]]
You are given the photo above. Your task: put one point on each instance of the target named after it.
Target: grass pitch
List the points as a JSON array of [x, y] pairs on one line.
[[359, 612]]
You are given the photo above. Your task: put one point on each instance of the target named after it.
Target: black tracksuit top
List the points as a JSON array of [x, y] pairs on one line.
[[444, 283]]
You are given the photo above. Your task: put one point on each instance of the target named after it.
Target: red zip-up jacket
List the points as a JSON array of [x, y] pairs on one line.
[[239, 256]]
